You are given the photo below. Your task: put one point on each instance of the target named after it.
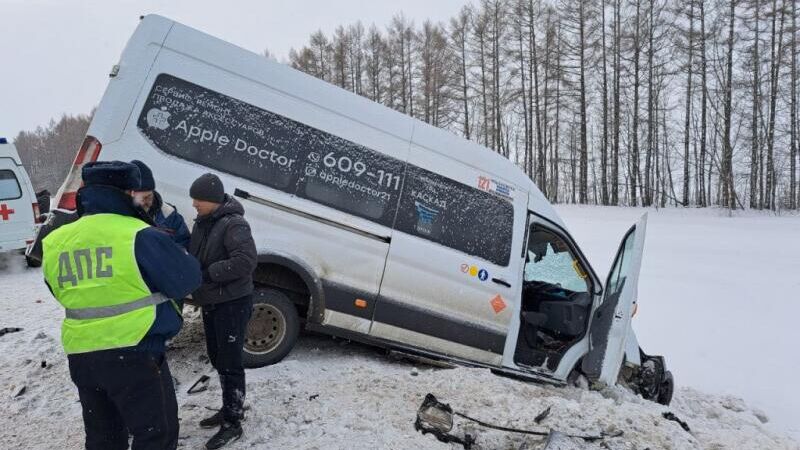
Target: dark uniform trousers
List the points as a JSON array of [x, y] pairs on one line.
[[225, 326], [126, 392]]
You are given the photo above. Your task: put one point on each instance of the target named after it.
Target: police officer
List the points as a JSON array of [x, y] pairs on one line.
[[114, 274], [163, 214]]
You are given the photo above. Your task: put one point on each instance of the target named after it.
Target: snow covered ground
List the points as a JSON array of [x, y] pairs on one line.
[[715, 298]]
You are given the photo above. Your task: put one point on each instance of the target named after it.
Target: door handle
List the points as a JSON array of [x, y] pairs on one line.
[[501, 281]]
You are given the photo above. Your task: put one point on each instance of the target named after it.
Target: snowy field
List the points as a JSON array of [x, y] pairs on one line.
[[719, 297], [716, 298]]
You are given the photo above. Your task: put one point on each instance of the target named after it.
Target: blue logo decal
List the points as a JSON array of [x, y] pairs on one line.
[[426, 216], [503, 189], [483, 275]]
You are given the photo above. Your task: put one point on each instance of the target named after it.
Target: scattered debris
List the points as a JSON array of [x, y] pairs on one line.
[[20, 391], [414, 372], [313, 397], [5, 331], [670, 416], [200, 385], [44, 364], [436, 418], [542, 415]]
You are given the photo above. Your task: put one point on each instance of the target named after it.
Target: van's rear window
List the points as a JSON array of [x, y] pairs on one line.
[[229, 135], [9, 186]]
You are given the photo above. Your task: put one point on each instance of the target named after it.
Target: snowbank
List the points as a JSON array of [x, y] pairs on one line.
[[330, 394]]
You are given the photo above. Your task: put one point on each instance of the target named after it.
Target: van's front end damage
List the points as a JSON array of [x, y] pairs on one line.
[[650, 378]]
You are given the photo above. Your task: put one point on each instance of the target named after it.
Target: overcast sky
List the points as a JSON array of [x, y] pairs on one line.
[[55, 54]]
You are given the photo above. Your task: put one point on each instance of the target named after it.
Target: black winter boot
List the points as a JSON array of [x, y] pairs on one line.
[[227, 433], [213, 421]]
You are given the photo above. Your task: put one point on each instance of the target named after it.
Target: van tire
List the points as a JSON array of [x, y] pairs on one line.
[[666, 389], [273, 328]]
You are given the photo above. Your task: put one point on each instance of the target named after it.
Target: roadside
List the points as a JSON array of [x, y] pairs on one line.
[[334, 394]]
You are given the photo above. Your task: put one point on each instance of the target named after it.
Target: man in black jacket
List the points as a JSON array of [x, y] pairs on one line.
[[222, 242]]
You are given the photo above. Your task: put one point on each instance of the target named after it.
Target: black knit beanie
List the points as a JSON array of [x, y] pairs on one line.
[[209, 188], [148, 182]]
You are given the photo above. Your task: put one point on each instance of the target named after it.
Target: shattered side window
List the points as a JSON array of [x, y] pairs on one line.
[[550, 260], [453, 214]]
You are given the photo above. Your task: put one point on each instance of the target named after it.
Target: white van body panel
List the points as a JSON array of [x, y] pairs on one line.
[[450, 309], [17, 226]]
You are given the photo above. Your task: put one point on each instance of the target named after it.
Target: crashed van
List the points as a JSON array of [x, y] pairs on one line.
[[19, 211], [370, 225]]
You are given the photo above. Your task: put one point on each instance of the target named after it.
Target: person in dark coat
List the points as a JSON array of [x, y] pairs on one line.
[[164, 215], [128, 389], [223, 243]]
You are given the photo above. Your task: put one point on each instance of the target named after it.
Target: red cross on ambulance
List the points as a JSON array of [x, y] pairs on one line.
[[5, 212]]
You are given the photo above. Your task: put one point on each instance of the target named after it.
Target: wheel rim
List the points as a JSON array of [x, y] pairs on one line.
[[266, 329]]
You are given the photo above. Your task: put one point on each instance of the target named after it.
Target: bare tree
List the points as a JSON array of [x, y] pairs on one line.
[[512, 73], [687, 117], [794, 193], [459, 36]]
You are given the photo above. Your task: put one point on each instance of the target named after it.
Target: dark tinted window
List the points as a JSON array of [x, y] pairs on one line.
[[226, 134], [9, 187], [351, 178], [456, 215]]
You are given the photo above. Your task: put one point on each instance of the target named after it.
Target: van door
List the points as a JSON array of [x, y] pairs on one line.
[[453, 265], [16, 207], [612, 318]]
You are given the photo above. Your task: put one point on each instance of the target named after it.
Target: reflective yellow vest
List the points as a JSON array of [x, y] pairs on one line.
[[91, 268]]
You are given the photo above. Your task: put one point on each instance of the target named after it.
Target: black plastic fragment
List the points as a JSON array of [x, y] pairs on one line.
[[670, 416], [542, 415], [203, 385], [7, 330]]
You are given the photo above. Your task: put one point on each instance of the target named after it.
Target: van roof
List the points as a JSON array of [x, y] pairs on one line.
[[355, 107]]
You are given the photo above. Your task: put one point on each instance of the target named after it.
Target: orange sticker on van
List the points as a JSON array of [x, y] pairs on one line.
[[498, 304]]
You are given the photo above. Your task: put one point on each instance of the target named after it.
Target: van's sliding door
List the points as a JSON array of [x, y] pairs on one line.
[[453, 266]]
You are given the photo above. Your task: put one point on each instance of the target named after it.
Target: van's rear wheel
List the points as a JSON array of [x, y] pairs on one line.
[[272, 330]]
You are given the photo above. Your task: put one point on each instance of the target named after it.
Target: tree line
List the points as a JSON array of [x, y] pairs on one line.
[[612, 102], [47, 152]]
